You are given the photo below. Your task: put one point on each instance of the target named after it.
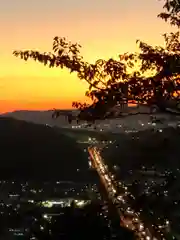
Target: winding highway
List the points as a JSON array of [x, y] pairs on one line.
[[128, 218]]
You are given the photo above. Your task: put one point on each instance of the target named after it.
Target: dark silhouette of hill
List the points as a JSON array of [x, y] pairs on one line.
[[40, 117], [149, 148], [36, 151]]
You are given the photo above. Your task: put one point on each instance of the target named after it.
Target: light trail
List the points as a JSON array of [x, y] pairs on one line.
[[128, 217]]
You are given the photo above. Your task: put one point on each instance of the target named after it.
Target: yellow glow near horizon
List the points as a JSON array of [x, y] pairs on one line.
[[103, 29]]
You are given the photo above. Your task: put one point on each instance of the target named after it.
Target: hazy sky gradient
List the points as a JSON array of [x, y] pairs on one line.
[[104, 28]]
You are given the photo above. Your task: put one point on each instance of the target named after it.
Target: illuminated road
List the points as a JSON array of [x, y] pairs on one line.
[[128, 218]]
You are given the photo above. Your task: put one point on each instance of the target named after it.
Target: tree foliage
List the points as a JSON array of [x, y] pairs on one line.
[[115, 82], [171, 12]]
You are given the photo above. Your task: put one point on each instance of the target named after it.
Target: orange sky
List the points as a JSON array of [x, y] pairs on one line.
[[104, 28]]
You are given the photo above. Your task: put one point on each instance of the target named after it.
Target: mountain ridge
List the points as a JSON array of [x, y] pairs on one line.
[[39, 117], [30, 150]]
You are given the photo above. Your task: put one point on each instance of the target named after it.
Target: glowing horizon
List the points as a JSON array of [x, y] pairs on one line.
[[103, 29]]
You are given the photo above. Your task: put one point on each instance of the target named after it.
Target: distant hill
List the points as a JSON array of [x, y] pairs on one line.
[[130, 122], [30, 150], [40, 117]]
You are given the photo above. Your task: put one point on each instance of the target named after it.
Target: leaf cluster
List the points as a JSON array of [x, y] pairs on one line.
[[171, 12]]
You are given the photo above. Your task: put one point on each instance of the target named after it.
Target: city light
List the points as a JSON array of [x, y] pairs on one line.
[[110, 186]]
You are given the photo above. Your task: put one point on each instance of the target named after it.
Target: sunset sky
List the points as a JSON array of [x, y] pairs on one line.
[[104, 28]]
